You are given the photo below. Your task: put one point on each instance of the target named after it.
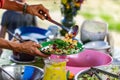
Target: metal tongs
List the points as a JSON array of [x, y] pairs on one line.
[[16, 36], [106, 72], [96, 71]]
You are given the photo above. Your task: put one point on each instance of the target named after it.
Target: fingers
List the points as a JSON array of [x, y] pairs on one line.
[[40, 16], [41, 54], [31, 48], [43, 12], [36, 45], [35, 10], [36, 51]]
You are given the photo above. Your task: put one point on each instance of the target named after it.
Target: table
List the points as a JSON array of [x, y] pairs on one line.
[[5, 60]]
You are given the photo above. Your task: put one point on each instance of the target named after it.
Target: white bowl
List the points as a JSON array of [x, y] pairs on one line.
[[99, 46]]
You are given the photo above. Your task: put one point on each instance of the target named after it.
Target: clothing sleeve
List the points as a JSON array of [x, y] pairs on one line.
[[4, 21], [1, 3]]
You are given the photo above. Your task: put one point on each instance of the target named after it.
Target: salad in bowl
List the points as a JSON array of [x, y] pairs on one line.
[[64, 46], [109, 72]]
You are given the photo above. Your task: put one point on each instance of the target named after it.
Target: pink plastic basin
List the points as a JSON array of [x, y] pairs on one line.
[[85, 59]]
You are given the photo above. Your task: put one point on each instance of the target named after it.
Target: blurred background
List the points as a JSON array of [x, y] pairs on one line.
[[100, 10]]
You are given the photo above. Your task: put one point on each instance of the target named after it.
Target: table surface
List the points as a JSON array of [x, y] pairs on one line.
[[5, 60]]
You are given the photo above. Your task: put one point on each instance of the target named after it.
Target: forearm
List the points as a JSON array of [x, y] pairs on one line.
[[31, 9], [13, 5], [17, 6], [9, 44], [3, 32]]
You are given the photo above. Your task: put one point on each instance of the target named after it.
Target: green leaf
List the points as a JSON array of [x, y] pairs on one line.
[[44, 44]]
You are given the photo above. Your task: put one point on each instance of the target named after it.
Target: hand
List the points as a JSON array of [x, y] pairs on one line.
[[31, 48], [35, 10]]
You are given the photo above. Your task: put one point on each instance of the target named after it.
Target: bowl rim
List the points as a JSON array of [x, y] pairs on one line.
[[99, 48], [8, 65], [76, 76], [109, 63]]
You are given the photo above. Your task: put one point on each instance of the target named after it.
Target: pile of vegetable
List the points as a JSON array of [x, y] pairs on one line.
[[62, 46]]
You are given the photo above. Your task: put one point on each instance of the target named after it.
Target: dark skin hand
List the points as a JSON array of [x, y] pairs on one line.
[[31, 9], [35, 10], [29, 46]]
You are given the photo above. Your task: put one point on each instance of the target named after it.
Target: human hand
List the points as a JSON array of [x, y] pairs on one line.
[[35, 10], [30, 47]]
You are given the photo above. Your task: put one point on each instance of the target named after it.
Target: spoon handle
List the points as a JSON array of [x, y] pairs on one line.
[[63, 27], [52, 21]]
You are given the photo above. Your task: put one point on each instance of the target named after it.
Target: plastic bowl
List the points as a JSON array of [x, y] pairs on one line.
[[85, 59], [32, 32], [89, 58], [97, 45]]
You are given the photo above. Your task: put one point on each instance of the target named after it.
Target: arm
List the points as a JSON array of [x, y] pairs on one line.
[[4, 24], [7, 44], [28, 47], [31, 9], [12, 5], [2, 32]]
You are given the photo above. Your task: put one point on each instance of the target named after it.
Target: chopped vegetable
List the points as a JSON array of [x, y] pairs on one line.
[[91, 76], [70, 75], [64, 46]]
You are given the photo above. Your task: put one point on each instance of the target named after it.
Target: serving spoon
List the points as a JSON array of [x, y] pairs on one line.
[[73, 30]]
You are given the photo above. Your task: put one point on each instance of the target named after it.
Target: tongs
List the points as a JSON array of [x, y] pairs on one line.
[[96, 71], [106, 72], [16, 36]]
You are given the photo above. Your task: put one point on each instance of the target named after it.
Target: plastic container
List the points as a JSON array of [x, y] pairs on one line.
[[55, 69]]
